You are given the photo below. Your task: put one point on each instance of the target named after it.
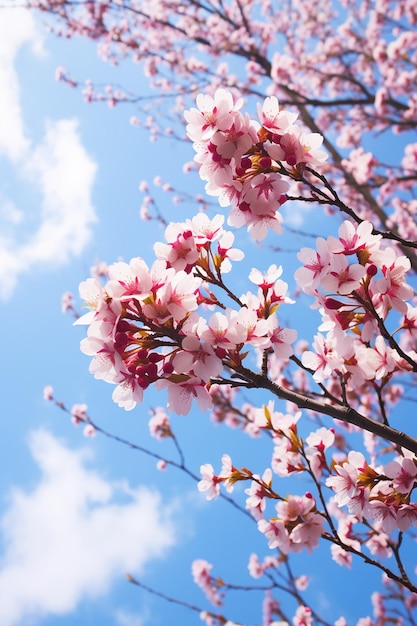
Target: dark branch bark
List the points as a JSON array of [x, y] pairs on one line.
[[344, 413]]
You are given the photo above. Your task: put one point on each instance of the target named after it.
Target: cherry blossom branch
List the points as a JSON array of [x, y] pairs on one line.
[[133, 446], [172, 600], [337, 202], [368, 306], [405, 582], [345, 413], [335, 538]]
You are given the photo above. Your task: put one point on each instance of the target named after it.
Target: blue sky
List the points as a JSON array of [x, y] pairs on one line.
[[77, 513]]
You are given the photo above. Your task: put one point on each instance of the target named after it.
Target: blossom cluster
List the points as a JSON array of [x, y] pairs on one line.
[[243, 160], [381, 494], [378, 496], [144, 327], [359, 284]]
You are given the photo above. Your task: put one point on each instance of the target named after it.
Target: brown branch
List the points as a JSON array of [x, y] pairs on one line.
[[344, 413]]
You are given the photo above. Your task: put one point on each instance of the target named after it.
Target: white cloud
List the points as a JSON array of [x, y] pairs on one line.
[[65, 175], [73, 535], [17, 27], [297, 214], [125, 618], [59, 170]]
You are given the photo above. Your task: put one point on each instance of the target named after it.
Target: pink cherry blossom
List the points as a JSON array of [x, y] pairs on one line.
[[345, 481], [212, 114], [209, 482], [182, 393], [353, 238], [201, 574], [276, 533], [197, 358], [272, 118], [404, 474], [325, 360], [224, 331], [159, 426], [79, 413], [342, 278]]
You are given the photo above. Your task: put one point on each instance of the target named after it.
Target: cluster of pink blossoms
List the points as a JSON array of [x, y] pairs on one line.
[[144, 328], [242, 160], [380, 496], [359, 284], [297, 525]]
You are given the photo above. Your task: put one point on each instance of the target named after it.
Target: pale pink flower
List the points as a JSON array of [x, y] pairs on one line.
[[360, 164], [341, 556], [317, 443], [48, 393], [378, 544], [256, 502], [89, 431], [67, 302], [91, 292], [256, 329], [392, 287], [127, 280], [202, 577], [321, 439], [182, 394], [307, 533], [260, 225], [197, 358], [224, 331], [289, 149], [345, 483], [206, 230], [403, 473], [303, 616], [237, 140], [302, 582], [311, 144], [410, 320], [325, 360], [263, 193], [128, 392], [181, 251], [106, 363], [272, 118], [294, 507], [209, 482], [316, 264], [226, 253], [159, 426], [382, 358], [79, 413], [212, 114], [276, 533], [280, 338], [267, 280], [407, 516], [384, 513], [256, 570], [342, 278], [353, 238], [175, 296], [226, 473]]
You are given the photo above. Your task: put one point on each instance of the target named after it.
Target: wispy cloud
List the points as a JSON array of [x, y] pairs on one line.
[[125, 618], [74, 534], [59, 170]]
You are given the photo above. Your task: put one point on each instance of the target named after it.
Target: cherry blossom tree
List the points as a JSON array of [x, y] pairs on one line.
[[283, 104]]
